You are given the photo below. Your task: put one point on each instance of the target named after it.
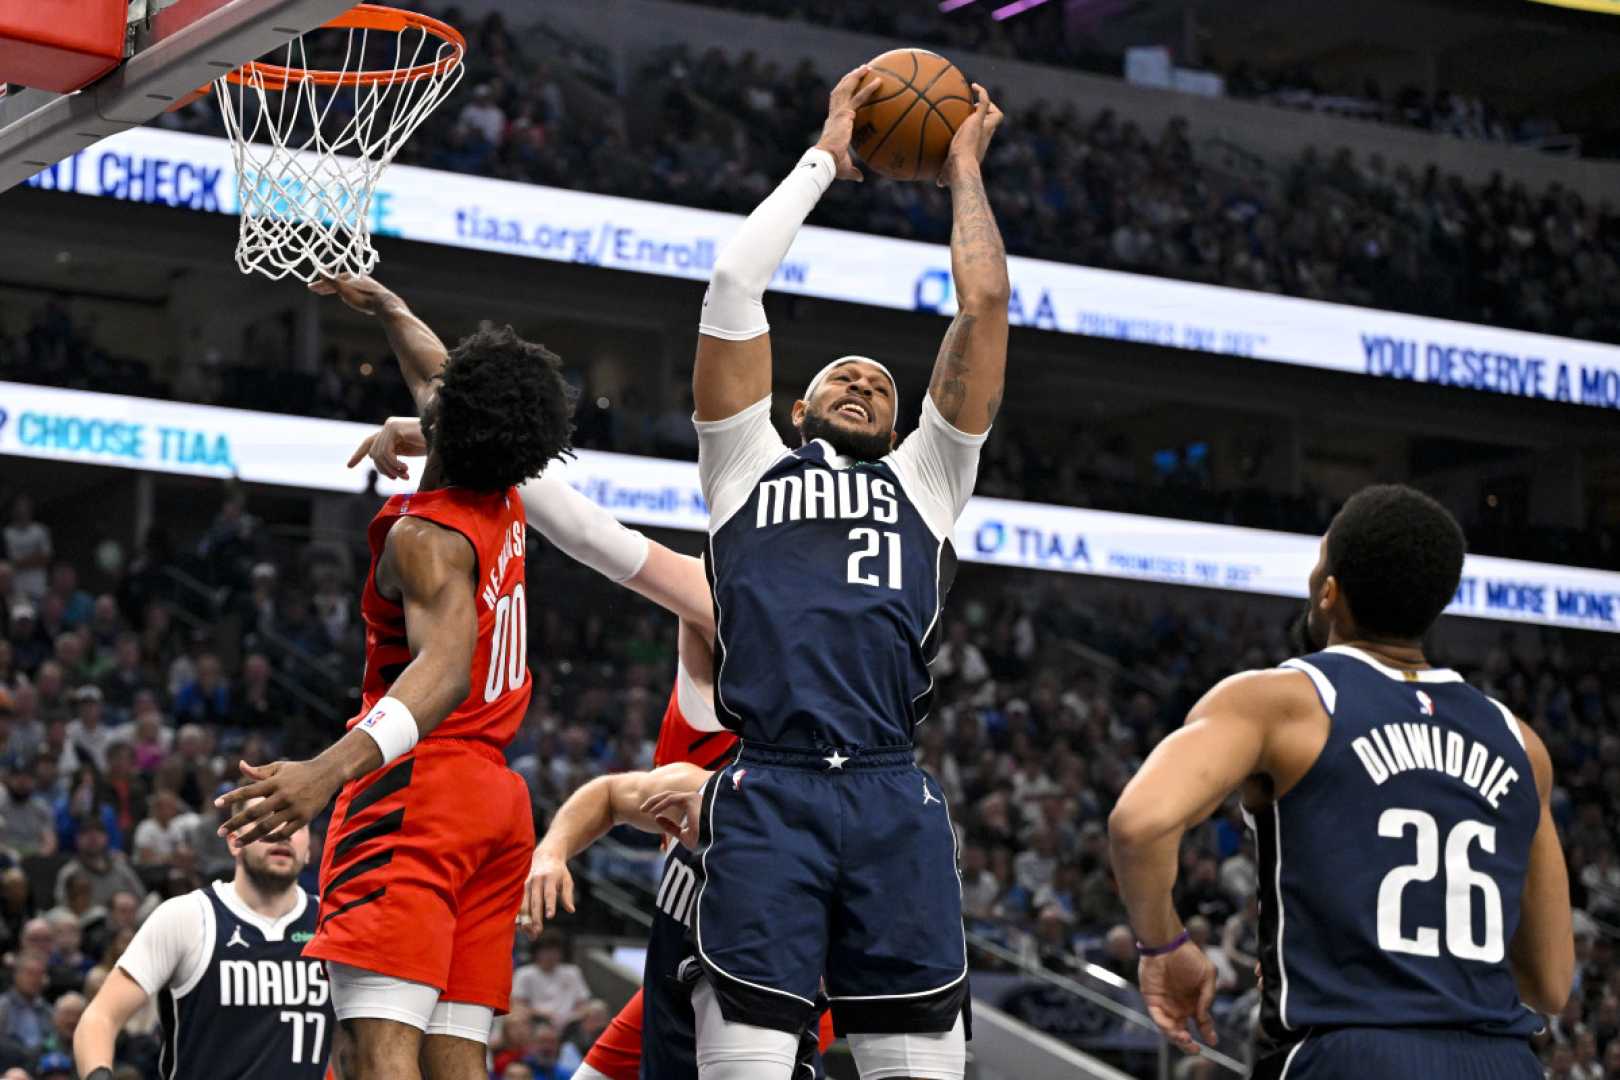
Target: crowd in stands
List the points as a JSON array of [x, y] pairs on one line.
[[717, 130], [131, 685]]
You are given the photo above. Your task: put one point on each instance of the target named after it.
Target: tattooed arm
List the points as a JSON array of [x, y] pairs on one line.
[[971, 368]]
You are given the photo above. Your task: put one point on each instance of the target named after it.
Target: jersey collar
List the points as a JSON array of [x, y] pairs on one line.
[[1427, 675], [272, 929]]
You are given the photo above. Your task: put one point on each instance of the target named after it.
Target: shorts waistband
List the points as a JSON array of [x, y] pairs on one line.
[[488, 751], [827, 759]]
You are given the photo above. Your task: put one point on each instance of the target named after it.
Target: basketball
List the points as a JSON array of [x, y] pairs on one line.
[[905, 130]]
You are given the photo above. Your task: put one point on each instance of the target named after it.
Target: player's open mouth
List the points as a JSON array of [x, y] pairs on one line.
[[283, 850], [853, 409]]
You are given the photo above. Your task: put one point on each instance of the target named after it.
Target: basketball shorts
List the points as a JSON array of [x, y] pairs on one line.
[[844, 869], [667, 1024], [423, 871], [1400, 1054]]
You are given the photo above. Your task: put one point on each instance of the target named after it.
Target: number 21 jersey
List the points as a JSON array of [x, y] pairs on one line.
[[829, 576], [1391, 874]]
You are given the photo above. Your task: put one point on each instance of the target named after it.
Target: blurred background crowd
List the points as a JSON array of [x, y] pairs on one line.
[[132, 682]]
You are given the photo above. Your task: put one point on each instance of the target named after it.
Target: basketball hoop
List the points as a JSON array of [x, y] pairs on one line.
[[310, 143]]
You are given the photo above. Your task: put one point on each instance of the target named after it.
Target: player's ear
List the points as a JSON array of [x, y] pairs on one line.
[[894, 439], [799, 409]]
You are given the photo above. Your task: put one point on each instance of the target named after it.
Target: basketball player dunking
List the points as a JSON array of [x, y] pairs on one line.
[[1413, 897], [236, 998], [421, 885], [654, 1031], [824, 850]]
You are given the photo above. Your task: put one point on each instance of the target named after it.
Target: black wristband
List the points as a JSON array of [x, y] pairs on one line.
[[103, 1073]]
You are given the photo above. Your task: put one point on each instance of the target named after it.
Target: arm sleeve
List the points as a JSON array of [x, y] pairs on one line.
[[166, 949], [939, 465], [582, 529], [733, 308], [732, 454]]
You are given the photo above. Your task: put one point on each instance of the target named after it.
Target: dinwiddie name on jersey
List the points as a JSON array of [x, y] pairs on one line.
[[272, 982], [817, 494], [1391, 749]]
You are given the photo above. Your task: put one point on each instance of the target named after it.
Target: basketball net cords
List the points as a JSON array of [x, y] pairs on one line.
[[305, 210]]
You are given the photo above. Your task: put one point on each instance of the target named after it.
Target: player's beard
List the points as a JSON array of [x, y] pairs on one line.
[[264, 879], [860, 445]]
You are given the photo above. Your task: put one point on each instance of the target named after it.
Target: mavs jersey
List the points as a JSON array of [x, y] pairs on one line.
[[235, 995], [828, 577], [1390, 875]]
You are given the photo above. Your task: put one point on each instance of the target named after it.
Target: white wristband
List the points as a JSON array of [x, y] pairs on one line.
[[392, 726]]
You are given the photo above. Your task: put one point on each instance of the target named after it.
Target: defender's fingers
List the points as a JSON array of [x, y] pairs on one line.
[[568, 890], [362, 451]]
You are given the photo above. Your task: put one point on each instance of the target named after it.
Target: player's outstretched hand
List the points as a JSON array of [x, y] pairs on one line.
[[360, 291], [677, 813], [549, 882], [400, 436], [1179, 987], [852, 91], [972, 139], [283, 798]]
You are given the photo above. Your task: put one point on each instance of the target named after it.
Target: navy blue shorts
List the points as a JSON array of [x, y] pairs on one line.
[[844, 869], [1401, 1054]]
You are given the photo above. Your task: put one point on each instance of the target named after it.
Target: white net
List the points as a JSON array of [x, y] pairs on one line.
[[311, 140]]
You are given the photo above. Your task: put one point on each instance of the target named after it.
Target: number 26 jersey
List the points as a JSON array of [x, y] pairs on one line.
[[1391, 874]]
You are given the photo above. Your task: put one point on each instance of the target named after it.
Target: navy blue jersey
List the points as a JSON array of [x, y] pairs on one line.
[[1390, 875], [828, 578], [239, 999]]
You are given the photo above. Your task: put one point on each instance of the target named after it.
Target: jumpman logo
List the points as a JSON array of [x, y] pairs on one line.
[[928, 796], [237, 939]]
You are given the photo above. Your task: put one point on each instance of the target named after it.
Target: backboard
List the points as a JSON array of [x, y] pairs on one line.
[[184, 45]]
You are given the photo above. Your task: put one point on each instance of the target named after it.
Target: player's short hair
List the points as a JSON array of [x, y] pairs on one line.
[[1398, 556], [503, 411]]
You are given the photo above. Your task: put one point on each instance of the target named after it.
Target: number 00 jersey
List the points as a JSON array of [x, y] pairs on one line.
[[494, 524], [235, 995], [1390, 875], [828, 577]]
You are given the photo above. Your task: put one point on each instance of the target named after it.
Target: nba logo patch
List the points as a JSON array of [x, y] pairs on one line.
[[736, 778], [1425, 703]]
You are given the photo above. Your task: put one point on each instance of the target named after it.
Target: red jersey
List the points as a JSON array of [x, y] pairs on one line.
[[678, 740], [494, 523]]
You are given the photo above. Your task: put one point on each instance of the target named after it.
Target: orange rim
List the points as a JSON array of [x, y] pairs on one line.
[[362, 17]]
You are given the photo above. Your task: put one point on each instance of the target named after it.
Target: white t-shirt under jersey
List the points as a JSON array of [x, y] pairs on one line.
[[937, 464], [172, 947]]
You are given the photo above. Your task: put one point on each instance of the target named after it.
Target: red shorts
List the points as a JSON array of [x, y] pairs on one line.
[[423, 871], [616, 1054]]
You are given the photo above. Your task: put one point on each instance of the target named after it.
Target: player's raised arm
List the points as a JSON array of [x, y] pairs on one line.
[[1542, 953], [970, 370], [584, 818], [733, 367], [1182, 782], [434, 570], [421, 354]]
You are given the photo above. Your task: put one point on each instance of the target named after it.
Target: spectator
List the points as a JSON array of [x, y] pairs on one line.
[[552, 990], [27, 823], [165, 833], [1119, 953], [147, 734], [77, 605], [86, 733], [78, 904], [583, 1033], [25, 1017], [16, 905], [29, 647], [259, 703], [205, 699], [126, 678], [483, 114], [108, 870], [56, 1065], [544, 1058], [28, 548]]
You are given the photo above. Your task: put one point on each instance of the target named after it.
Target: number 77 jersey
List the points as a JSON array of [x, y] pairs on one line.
[[1391, 874], [494, 524]]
